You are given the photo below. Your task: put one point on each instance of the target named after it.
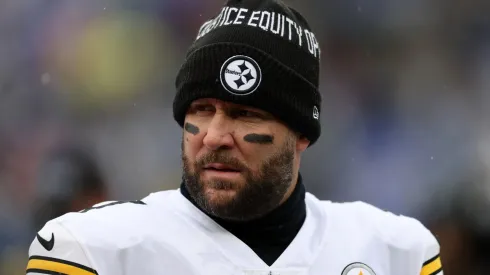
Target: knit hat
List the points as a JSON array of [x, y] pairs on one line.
[[259, 53]]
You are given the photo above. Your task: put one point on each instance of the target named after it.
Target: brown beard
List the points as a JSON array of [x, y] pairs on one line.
[[262, 192]]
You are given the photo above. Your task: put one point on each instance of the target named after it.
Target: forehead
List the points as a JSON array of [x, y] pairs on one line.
[[224, 104]]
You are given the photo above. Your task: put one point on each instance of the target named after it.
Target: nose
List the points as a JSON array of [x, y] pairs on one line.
[[219, 133]]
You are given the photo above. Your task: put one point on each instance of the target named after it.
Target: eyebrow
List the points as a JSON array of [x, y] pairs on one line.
[[233, 106], [200, 102]]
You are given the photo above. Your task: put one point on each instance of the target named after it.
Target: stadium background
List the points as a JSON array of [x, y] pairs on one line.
[[85, 111]]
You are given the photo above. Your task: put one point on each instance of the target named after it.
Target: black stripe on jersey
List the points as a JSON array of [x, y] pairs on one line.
[[436, 272], [111, 204], [86, 268], [42, 271], [431, 260]]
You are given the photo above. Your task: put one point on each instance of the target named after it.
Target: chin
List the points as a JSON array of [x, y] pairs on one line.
[[219, 196], [217, 191]]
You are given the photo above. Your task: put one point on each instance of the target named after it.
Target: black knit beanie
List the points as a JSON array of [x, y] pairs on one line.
[[259, 53]]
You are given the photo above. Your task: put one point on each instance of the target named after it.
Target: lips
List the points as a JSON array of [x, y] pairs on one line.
[[221, 167]]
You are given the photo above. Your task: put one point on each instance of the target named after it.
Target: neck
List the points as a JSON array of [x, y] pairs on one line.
[[271, 234]]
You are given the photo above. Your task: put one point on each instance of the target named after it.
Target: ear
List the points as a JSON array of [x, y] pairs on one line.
[[302, 143]]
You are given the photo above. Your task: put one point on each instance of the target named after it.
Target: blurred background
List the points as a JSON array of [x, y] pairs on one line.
[[86, 91]]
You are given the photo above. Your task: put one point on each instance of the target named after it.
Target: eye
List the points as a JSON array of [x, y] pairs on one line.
[[247, 114], [202, 109]]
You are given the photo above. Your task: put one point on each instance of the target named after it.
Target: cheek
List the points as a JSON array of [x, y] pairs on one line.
[[261, 138], [259, 145], [254, 154], [192, 141]]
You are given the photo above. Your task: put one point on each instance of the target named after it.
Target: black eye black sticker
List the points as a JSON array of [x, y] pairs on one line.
[[261, 139], [191, 128]]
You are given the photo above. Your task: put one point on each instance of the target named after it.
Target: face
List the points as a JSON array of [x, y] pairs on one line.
[[239, 162]]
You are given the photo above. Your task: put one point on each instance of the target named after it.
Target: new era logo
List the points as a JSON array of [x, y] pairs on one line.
[[316, 113]]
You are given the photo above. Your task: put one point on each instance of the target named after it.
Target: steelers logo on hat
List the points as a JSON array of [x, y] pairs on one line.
[[240, 75], [358, 269]]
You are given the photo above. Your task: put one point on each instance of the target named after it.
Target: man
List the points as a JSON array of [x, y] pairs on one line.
[[248, 101]]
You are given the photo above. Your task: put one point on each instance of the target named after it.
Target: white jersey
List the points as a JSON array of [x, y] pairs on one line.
[[165, 234]]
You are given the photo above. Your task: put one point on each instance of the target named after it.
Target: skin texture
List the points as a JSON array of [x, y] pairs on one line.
[[261, 154]]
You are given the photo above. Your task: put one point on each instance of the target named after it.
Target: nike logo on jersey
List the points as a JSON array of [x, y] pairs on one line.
[[48, 245]]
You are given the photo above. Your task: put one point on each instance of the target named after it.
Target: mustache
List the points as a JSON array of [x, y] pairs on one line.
[[217, 157]]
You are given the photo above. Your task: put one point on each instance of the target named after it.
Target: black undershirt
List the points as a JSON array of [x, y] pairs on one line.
[[270, 235]]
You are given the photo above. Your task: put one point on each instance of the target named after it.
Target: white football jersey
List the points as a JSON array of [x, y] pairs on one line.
[[165, 234]]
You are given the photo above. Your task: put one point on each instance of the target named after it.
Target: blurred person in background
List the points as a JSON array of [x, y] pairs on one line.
[[70, 181], [248, 101]]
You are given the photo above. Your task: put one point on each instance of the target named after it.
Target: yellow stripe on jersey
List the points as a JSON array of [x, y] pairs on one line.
[[38, 264], [432, 266]]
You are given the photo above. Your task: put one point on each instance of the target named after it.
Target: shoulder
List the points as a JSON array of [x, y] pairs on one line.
[[397, 230], [75, 242], [55, 250], [111, 216], [404, 237]]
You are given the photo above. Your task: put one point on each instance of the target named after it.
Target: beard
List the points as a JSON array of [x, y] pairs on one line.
[[262, 192]]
